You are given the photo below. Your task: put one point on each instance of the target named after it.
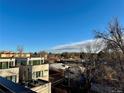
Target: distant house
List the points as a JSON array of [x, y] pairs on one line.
[[13, 55]]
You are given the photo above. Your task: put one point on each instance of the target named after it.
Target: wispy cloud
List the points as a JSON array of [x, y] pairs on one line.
[[71, 45], [96, 45]]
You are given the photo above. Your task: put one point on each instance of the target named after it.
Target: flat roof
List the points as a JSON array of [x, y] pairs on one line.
[[35, 83], [12, 87]]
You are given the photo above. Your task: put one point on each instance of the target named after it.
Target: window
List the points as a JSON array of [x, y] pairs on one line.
[[8, 78], [4, 65], [41, 73], [35, 62], [11, 64], [34, 75], [45, 73], [0, 65], [30, 62], [42, 61], [12, 78], [38, 74], [23, 62]]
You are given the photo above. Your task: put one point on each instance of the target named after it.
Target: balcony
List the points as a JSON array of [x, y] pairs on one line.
[[9, 72]]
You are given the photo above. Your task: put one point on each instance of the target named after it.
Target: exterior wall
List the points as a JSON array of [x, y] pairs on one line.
[[10, 72], [26, 72], [23, 73], [46, 88], [41, 68], [7, 55], [22, 55]]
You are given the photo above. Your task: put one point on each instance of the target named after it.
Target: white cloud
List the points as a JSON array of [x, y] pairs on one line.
[[71, 44], [96, 45]]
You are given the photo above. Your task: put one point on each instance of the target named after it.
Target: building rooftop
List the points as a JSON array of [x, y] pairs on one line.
[[7, 86], [57, 66], [35, 83]]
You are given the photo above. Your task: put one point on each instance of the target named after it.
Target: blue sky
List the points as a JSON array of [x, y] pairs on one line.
[[42, 24]]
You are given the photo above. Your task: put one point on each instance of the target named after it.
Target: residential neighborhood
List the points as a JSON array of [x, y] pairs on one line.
[[61, 46]]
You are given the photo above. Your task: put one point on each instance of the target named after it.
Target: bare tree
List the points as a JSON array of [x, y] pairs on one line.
[[20, 50], [114, 38], [95, 46], [92, 48]]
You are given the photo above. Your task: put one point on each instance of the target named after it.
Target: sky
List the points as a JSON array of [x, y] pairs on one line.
[[42, 24]]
